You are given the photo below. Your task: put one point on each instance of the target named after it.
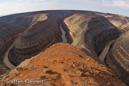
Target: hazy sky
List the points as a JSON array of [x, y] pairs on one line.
[[110, 6]]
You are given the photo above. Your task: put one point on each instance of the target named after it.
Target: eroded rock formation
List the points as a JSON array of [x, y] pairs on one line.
[[121, 22], [118, 57], [69, 67], [8, 32], [91, 32], [35, 39], [86, 30], [30, 18]]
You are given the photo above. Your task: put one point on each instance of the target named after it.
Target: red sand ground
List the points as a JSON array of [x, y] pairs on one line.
[[64, 65]]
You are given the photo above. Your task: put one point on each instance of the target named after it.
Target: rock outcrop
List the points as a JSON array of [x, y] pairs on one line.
[[29, 19], [35, 39], [26, 19], [118, 57], [121, 22], [91, 32], [8, 32], [69, 67]]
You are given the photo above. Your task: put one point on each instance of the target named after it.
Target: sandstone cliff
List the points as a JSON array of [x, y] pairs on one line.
[[69, 67], [121, 22], [118, 57], [86, 30], [8, 32], [91, 32], [26, 19], [30, 18], [35, 39]]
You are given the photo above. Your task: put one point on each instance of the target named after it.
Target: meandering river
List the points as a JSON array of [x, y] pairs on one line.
[[6, 60], [63, 35], [11, 66], [105, 51], [101, 56]]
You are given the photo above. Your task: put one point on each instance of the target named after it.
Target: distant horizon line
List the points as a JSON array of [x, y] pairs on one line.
[[58, 10]]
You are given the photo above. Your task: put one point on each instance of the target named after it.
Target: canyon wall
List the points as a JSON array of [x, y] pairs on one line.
[[63, 65], [121, 22], [118, 57], [91, 32], [30, 18], [26, 19], [35, 39], [86, 30], [8, 33]]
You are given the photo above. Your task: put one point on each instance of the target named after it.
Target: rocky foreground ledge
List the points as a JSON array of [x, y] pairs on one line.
[[63, 65]]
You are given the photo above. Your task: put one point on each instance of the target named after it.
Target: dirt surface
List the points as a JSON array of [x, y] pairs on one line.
[[64, 65]]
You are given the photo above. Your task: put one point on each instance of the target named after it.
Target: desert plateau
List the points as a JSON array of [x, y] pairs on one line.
[[64, 48]]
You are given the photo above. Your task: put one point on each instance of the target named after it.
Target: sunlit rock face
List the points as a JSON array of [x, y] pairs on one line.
[[35, 39], [121, 22], [86, 30], [63, 65], [91, 32], [30, 18], [118, 57], [25, 20]]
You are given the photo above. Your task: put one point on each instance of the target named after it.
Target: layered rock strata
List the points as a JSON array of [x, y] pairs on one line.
[[121, 22], [8, 33], [87, 31], [91, 32], [118, 57], [35, 39], [69, 67], [29, 19]]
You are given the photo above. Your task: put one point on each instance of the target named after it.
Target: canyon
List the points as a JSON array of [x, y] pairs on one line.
[[105, 51], [121, 22], [8, 33], [117, 59], [69, 67], [37, 41], [91, 32], [6, 59]]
